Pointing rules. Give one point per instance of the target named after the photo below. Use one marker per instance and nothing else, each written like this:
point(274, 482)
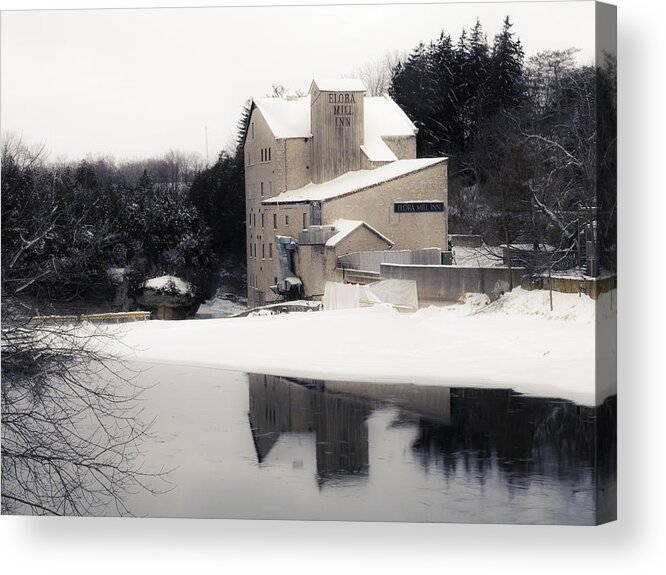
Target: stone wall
point(592, 287)
point(404, 147)
point(406, 230)
point(449, 283)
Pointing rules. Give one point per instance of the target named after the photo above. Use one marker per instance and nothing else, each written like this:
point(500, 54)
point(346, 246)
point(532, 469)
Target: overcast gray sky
point(136, 83)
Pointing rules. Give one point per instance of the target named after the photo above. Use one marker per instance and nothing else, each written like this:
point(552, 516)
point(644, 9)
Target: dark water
point(268, 447)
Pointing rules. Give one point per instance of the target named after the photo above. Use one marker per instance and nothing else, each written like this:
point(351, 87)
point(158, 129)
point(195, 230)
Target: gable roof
point(346, 227)
point(290, 118)
point(286, 117)
point(353, 182)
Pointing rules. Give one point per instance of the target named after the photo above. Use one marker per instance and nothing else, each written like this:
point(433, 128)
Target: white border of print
point(632, 544)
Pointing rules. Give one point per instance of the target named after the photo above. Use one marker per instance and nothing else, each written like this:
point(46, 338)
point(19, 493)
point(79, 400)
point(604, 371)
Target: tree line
point(531, 142)
point(65, 226)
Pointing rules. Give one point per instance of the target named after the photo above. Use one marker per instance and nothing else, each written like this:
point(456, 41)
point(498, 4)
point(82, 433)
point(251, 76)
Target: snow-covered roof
point(169, 284)
point(346, 227)
point(383, 118)
point(290, 118)
point(353, 182)
point(286, 117)
point(338, 85)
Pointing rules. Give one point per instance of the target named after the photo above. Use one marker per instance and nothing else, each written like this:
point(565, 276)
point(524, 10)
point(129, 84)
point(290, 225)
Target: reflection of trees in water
point(522, 437)
point(72, 425)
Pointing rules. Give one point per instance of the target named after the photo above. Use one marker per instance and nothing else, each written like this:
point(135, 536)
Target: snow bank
point(566, 306)
point(222, 305)
point(514, 343)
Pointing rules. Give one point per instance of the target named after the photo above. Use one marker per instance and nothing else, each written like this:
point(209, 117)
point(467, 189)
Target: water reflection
point(278, 406)
point(268, 447)
point(486, 439)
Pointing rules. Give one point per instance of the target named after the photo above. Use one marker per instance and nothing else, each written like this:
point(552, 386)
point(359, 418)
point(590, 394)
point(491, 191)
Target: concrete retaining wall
point(448, 283)
point(592, 287)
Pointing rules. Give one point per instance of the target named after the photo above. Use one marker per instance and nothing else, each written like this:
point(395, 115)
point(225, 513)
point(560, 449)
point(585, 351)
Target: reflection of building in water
point(336, 413)
point(432, 402)
point(278, 406)
point(275, 408)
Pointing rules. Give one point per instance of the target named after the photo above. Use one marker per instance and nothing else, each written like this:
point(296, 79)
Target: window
point(269, 154)
point(270, 251)
point(263, 251)
point(305, 223)
point(262, 189)
point(262, 220)
point(286, 220)
point(275, 221)
point(262, 154)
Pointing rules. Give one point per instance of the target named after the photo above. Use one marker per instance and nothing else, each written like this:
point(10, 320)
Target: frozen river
point(255, 446)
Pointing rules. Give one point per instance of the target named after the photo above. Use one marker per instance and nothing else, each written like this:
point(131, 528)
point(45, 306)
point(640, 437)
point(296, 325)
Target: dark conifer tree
point(505, 83)
point(414, 88)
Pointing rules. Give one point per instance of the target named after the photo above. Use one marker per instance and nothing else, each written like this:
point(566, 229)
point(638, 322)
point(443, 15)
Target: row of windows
point(252, 250)
point(265, 155)
point(253, 220)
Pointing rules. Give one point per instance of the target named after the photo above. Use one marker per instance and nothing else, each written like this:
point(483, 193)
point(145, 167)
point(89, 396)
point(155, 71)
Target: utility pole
point(206, 129)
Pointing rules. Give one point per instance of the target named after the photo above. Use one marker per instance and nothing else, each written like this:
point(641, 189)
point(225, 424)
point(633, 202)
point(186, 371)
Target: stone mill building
point(331, 174)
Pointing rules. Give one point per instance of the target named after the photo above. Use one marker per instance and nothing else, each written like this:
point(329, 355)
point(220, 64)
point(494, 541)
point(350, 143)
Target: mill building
point(331, 174)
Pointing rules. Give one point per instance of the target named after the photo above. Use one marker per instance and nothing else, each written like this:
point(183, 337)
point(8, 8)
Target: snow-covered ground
point(515, 342)
point(221, 305)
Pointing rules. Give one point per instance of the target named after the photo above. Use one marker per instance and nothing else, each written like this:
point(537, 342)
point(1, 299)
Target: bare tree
point(71, 425)
point(376, 76)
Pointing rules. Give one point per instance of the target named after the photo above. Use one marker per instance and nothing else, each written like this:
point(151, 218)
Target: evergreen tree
point(414, 88)
point(505, 82)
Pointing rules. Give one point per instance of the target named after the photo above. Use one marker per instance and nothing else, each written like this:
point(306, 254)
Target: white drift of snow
point(515, 342)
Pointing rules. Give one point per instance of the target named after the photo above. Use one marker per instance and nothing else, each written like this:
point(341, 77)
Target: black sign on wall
point(417, 207)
